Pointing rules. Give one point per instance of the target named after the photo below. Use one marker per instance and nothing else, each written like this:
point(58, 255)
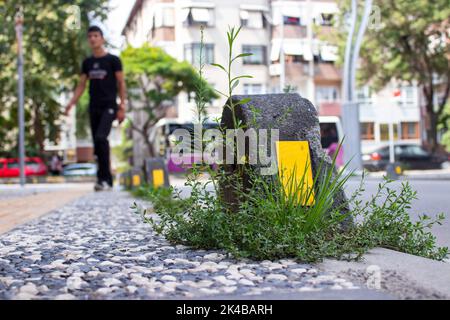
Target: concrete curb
point(430, 277)
point(347, 294)
point(443, 174)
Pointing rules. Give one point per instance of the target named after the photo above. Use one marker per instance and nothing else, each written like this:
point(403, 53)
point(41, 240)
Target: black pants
point(101, 123)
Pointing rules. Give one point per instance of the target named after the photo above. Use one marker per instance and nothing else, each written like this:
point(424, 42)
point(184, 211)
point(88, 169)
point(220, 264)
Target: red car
point(34, 166)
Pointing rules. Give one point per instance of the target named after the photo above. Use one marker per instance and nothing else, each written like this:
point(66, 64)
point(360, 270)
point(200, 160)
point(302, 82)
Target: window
point(199, 16)
point(364, 95)
point(253, 88)
point(258, 54)
point(407, 97)
point(415, 151)
point(326, 94)
point(410, 130)
point(367, 130)
point(291, 21)
point(384, 132)
point(326, 19)
point(164, 17)
point(252, 19)
point(192, 53)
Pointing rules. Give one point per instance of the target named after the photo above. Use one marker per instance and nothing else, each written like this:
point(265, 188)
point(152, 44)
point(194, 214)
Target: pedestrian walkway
point(19, 205)
point(96, 248)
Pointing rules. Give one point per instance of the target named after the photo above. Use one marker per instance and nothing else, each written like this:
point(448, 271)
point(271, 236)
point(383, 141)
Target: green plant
point(270, 223)
point(406, 41)
point(52, 63)
point(155, 78)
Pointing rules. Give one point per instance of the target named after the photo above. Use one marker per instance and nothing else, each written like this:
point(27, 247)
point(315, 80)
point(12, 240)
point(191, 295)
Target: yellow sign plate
point(293, 158)
point(136, 180)
point(158, 178)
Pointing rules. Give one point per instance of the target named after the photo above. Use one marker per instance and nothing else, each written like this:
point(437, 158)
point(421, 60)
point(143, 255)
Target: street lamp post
point(20, 91)
point(350, 106)
point(282, 57)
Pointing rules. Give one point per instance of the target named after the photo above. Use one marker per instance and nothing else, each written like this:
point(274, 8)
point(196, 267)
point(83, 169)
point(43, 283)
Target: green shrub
point(268, 226)
point(269, 223)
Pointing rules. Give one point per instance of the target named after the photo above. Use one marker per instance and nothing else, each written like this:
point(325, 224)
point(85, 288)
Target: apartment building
point(286, 39)
point(175, 26)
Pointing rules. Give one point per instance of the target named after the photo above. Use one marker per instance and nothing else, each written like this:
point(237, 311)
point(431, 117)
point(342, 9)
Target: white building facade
point(286, 39)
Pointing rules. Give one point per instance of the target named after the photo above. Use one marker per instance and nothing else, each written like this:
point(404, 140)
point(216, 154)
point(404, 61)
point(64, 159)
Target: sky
point(116, 21)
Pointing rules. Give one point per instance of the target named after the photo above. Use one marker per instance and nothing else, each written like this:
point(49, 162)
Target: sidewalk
point(19, 205)
point(96, 248)
point(439, 174)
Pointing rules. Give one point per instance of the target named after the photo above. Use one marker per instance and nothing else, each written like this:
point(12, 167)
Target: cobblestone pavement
point(96, 248)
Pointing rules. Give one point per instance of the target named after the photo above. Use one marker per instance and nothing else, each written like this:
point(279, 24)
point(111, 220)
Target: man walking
point(105, 75)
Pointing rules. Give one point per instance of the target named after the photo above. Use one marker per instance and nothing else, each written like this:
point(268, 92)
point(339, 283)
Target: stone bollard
point(156, 174)
point(296, 120)
point(131, 179)
point(136, 178)
point(394, 170)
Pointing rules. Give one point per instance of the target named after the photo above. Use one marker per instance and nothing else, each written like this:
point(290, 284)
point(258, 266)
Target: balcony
point(327, 73)
point(295, 32)
point(327, 108)
point(162, 34)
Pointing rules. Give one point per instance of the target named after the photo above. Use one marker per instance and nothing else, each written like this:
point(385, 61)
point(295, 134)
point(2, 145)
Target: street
point(433, 198)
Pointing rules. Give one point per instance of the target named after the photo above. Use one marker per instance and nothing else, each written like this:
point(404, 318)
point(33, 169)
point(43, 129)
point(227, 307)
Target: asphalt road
point(433, 198)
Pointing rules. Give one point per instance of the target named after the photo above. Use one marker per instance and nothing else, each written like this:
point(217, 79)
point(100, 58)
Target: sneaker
point(102, 186)
point(106, 186)
point(98, 186)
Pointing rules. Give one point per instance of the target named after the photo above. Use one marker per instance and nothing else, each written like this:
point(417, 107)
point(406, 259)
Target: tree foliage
point(410, 42)
point(53, 50)
point(154, 80)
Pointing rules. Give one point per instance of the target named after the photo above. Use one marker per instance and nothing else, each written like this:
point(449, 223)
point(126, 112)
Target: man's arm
point(77, 94)
point(122, 95)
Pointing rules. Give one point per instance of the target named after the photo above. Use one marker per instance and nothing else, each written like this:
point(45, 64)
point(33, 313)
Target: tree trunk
point(149, 145)
point(39, 135)
point(432, 131)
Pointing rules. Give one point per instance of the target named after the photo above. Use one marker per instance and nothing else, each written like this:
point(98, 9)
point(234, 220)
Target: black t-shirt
point(102, 78)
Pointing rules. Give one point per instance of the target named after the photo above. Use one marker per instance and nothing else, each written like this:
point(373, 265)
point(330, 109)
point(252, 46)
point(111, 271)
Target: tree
point(411, 44)
point(445, 126)
point(53, 51)
point(154, 79)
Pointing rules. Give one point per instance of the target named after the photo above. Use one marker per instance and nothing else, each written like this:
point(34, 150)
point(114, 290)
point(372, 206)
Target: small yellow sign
point(136, 180)
point(158, 178)
point(294, 168)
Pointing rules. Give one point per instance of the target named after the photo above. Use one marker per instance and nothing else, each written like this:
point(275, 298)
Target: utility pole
point(309, 35)
point(282, 59)
point(350, 106)
point(20, 92)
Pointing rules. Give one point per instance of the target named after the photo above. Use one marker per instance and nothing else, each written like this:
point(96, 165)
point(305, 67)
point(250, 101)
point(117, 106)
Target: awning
point(329, 53)
point(184, 13)
point(195, 4)
point(293, 48)
point(325, 7)
point(275, 50)
point(200, 14)
point(307, 52)
point(244, 15)
point(253, 7)
point(292, 11)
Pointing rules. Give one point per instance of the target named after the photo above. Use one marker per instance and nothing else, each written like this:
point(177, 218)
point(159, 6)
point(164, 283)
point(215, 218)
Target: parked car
point(80, 169)
point(34, 166)
point(410, 157)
